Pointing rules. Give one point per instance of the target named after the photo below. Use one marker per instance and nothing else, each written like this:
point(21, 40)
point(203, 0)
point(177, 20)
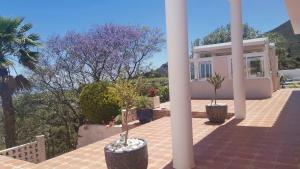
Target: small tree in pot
point(216, 113)
point(126, 153)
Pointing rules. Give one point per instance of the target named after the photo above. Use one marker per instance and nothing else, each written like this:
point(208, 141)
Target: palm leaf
point(34, 37)
point(16, 43)
point(22, 83)
point(11, 83)
point(25, 28)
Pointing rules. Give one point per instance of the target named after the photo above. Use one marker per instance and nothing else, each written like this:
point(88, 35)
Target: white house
point(260, 69)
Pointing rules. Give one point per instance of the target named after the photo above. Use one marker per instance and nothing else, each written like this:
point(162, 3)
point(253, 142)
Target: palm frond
point(28, 58)
point(22, 83)
point(16, 42)
point(34, 37)
point(4, 62)
point(11, 83)
point(26, 27)
point(16, 83)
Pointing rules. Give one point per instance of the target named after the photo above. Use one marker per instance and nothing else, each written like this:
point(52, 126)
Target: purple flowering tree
point(105, 52)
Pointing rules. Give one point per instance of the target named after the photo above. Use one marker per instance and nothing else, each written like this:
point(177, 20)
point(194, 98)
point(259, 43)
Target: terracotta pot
point(135, 159)
point(216, 113)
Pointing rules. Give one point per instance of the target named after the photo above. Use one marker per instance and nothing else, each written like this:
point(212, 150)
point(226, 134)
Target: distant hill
point(162, 71)
point(293, 41)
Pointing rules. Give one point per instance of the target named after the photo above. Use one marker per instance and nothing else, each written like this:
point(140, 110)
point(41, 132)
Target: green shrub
point(294, 85)
point(98, 103)
point(142, 102)
point(118, 119)
point(156, 83)
point(164, 94)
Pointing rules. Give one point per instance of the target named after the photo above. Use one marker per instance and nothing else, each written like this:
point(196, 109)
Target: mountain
point(293, 41)
point(162, 71)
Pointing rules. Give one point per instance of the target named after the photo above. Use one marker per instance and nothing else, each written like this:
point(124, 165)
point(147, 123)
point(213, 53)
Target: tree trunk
point(126, 126)
point(9, 119)
point(215, 96)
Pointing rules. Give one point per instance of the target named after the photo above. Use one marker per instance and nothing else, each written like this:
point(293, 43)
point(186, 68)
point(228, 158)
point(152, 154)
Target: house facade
point(260, 69)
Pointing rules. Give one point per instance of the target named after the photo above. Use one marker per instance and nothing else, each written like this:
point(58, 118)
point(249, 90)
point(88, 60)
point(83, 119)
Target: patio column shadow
point(246, 147)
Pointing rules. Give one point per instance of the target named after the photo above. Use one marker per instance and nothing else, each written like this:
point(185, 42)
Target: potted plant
point(144, 112)
point(216, 113)
point(126, 153)
point(153, 98)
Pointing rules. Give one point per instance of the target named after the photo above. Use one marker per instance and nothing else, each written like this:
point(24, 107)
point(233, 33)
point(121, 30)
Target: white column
point(237, 59)
point(196, 70)
point(179, 83)
point(196, 64)
point(266, 60)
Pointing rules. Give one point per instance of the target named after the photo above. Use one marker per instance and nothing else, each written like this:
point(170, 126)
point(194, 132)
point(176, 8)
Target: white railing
point(32, 152)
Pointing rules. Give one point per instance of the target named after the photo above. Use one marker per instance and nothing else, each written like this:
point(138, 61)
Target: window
point(231, 67)
point(192, 70)
point(205, 70)
point(255, 67)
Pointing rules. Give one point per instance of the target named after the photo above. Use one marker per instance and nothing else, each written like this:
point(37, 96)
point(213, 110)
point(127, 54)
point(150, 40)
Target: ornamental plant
point(99, 103)
point(216, 81)
point(152, 92)
point(142, 102)
point(126, 91)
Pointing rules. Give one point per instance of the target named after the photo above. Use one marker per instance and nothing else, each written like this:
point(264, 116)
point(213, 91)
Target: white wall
point(255, 89)
point(91, 133)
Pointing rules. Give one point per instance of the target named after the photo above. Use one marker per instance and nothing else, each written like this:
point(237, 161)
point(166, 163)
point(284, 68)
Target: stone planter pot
point(145, 115)
point(135, 159)
point(154, 102)
point(217, 113)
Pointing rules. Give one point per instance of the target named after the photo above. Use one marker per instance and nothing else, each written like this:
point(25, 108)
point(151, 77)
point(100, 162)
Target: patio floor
point(269, 138)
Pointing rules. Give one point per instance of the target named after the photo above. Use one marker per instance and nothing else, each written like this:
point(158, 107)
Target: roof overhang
point(293, 7)
point(220, 46)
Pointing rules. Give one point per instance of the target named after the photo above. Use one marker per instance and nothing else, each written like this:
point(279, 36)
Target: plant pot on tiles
point(126, 153)
point(144, 112)
point(216, 113)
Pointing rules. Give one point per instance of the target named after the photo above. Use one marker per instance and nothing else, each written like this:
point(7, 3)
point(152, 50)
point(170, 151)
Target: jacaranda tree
point(70, 62)
point(16, 47)
point(105, 51)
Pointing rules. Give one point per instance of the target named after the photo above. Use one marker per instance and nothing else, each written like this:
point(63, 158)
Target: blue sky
point(58, 16)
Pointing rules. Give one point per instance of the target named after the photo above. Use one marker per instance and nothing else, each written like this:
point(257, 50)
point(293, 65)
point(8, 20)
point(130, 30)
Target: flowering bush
point(152, 92)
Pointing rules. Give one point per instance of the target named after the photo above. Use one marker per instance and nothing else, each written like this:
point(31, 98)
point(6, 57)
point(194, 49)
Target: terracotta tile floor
point(269, 138)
